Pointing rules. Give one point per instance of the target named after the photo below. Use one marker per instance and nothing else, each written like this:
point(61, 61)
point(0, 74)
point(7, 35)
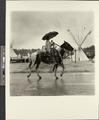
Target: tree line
point(89, 51)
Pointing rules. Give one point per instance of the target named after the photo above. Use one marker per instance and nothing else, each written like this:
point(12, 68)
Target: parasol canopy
point(49, 35)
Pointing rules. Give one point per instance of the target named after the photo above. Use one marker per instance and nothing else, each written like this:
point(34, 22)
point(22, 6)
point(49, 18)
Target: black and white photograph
point(52, 53)
point(51, 60)
point(2, 65)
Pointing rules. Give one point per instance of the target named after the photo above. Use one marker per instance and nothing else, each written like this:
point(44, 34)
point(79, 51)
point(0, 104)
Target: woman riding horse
point(58, 59)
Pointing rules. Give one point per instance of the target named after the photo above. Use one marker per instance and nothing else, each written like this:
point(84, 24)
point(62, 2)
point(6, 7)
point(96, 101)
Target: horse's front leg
point(62, 65)
point(29, 73)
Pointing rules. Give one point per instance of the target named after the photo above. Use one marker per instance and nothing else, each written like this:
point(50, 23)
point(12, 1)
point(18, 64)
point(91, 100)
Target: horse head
point(65, 48)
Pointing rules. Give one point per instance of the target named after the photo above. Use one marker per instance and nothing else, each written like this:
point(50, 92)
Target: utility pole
point(75, 55)
point(71, 56)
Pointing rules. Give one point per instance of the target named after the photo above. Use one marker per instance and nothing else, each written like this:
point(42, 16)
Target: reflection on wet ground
point(70, 84)
point(56, 88)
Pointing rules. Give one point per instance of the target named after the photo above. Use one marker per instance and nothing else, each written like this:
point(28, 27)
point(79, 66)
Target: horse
point(55, 57)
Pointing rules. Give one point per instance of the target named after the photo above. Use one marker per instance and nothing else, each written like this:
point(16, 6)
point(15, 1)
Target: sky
point(28, 28)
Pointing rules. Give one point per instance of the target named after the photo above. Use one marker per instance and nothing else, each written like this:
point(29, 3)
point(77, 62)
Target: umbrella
point(49, 35)
point(67, 46)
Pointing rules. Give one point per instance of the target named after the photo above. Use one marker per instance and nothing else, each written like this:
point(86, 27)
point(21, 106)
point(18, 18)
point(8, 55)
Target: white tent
point(79, 55)
point(12, 54)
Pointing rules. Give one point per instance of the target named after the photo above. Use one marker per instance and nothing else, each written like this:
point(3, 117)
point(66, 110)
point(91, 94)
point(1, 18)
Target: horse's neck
point(62, 51)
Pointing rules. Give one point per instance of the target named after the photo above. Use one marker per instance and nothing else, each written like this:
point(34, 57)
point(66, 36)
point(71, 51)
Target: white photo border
point(50, 107)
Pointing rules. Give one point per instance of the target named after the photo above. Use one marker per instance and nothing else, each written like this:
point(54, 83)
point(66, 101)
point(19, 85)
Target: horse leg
point(62, 65)
point(55, 70)
point(30, 64)
point(29, 73)
point(54, 67)
point(37, 71)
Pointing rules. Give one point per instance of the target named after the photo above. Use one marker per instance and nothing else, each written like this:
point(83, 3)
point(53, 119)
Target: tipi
point(12, 53)
point(79, 54)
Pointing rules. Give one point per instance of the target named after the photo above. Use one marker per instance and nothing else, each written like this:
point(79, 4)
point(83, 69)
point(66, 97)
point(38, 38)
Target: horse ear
point(64, 41)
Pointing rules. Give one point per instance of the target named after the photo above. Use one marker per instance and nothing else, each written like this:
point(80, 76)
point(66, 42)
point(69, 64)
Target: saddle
point(52, 56)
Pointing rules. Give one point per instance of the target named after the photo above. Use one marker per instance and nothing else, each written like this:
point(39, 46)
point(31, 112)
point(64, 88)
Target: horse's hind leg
point(55, 70)
point(30, 64)
point(37, 71)
point(29, 74)
point(38, 75)
point(62, 65)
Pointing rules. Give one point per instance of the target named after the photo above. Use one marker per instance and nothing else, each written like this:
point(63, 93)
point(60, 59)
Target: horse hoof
point(27, 76)
point(39, 78)
point(56, 78)
point(61, 75)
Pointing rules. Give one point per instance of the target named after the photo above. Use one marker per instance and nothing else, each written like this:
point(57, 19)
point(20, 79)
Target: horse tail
point(32, 61)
